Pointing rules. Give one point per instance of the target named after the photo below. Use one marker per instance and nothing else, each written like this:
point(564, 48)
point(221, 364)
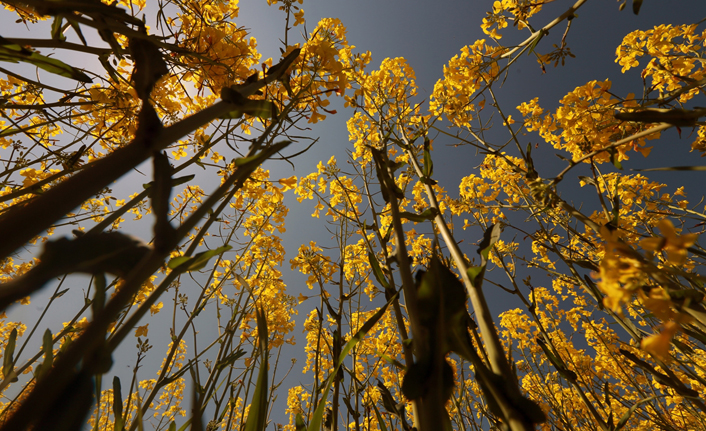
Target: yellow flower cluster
point(584, 123)
point(519, 11)
point(466, 73)
point(675, 52)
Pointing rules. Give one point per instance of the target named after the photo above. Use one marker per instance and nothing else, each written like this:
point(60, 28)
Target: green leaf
point(428, 181)
point(536, 40)
point(183, 427)
point(636, 4)
point(616, 205)
point(381, 422)
point(428, 169)
point(427, 214)
point(77, 29)
point(188, 263)
point(624, 420)
point(280, 68)
point(255, 108)
point(387, 183)
point(557, 362)
point(694, 296)
point(390, 360)
point(490, 237)
point(674, 168)
point(377, 271)
point(7, 361)
point(48, 348)
point(172, 426)
point(614, 159)
point(473, 272)
point(258, 409)
point(240, 161)
point(243, 105)
point(228, 360)
point(387, 400)
point(395, 166)
point(388, 234)
point(299, 423)
point(99, 297)
point(315, 423)
point(682, 346)
point(259, 157)
point(14, 53)
point(111, 252)
point(59, 294)
point(118, 405)
point(488, 394)
point(584, 264)
point(9, 131)
point(175, 181)
point(56, 33)
point(588, 180)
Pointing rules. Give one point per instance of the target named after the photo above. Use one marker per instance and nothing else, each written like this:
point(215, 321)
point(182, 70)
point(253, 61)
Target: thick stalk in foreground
point(498, 362)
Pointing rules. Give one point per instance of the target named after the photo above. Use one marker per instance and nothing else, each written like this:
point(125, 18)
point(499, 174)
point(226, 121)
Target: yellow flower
point(141, 330)
point(658, 344)
point(299, 16)
point(154, 309)
point(675, 245)
point(620, 274)
point(288, 183)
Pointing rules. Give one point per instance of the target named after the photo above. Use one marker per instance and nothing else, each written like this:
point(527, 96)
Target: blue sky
point(428, 34)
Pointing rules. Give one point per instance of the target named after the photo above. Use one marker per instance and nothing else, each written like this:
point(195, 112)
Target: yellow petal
point(141, 330)
point(652, 244)
point(658, 344)
point(288, 183)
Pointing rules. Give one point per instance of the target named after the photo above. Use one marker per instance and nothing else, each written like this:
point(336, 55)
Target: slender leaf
point(536, 40)
point(9, 131)
point(228, 360)
point(428, 168)
point(258, 409)
point(674, 168)
point(624, 419)
point(14, 53)
point(381, 422)
point(280, 68)
point(636, 4)
point(175, 182)
point(188, 263)
point(490, 237)
point(56, 33)
point(473, 272)
point(48, 348)
point(7, 360)
point(118, 405)
point(59, 294)
point(377, 271)
point(299, 423)
point(427, 214)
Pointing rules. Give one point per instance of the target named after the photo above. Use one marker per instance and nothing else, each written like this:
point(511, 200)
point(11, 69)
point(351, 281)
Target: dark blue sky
point(428, 34)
